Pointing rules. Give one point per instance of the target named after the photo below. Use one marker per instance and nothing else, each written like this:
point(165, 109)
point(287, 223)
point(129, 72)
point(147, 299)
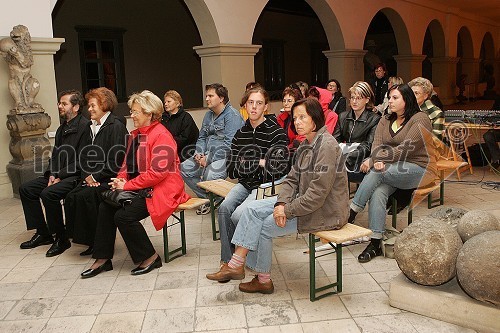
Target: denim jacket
point(217, 132)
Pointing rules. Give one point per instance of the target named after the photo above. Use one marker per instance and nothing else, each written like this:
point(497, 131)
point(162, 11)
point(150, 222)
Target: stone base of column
point(21, 173)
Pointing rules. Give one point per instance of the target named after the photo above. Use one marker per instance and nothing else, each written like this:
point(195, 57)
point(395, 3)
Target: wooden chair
point(192, 203)
point(335, 238)
point(217, 187)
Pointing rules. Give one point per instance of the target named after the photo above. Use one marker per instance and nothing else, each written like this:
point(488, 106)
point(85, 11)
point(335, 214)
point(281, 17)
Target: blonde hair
point(173, 95)
point(425, 84)
point(149, 103)
point(395, 80)
point(363, 89)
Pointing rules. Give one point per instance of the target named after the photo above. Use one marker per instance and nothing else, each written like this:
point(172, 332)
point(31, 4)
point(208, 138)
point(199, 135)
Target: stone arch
point(400, 30)
point(438, 39)
point(204, 21)
point(329, 22)
point(467, 45)
point(489, 46)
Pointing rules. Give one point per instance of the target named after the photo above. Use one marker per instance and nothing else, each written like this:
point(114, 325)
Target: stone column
point(444, 76)
point(346, 66)
point(409, 66)
point(27, 134)
point(229, 64)
point(470, 66)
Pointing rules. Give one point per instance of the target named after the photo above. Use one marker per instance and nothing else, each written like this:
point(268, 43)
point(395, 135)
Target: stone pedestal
point(346, 66)
point(218, 63)
point(447, 302)
point(28, 146)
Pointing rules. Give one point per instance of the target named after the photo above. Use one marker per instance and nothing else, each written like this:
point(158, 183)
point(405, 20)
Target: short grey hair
point(425, 84)
point(149, 103)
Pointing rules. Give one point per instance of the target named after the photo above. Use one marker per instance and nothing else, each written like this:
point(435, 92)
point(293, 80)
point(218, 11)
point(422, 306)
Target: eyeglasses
point(356, 98)
point(135, 113)
point(256, 103)
point(379, 70)
point(288, 101)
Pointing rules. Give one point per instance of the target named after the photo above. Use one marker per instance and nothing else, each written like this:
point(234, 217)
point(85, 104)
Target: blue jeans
point(378, 186)
point(229, 213)
point(192, 174)
point(256, 231)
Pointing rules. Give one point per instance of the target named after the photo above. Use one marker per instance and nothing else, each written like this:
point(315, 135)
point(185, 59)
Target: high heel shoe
point(107, 266)
point(143, 270)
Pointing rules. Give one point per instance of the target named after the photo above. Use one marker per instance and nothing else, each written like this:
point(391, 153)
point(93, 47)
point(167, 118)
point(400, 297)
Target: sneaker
point(203, 209)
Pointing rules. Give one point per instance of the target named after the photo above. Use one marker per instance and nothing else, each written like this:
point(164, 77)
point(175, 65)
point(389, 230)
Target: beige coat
point(315, 190)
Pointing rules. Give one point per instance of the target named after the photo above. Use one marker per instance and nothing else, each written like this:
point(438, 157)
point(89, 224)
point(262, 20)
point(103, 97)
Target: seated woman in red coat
point(151, 163)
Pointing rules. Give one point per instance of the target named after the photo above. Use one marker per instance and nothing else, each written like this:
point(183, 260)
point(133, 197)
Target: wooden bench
point(178, 216)
point(335, 238)
point(217, 187)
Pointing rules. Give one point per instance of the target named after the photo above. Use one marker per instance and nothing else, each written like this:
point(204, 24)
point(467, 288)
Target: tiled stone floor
point(39, 294)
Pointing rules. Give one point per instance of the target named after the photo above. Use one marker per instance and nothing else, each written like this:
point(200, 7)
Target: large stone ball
point(478, 267)
point(475, 222)
point(427, 250)
point(450, 215)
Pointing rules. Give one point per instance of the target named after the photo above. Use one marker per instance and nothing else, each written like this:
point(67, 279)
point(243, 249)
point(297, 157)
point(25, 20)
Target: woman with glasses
point(402, 154)
point(290, 95)
point(100, 160)
point(151, 166)
point(338, 103)
point(356, 128)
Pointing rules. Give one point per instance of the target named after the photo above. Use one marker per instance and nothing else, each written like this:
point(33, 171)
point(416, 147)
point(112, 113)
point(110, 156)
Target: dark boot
point(374, 249)
point(352, 216)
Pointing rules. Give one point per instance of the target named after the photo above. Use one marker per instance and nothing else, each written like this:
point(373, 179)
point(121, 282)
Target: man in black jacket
point(58, 180)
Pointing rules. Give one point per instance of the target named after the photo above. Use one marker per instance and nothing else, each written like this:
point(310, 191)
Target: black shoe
point(371, 251)
point(107, 266)
point(88, 251)
point(143, 270)
point(37, 240)
point(60, 245)
point(352, 216)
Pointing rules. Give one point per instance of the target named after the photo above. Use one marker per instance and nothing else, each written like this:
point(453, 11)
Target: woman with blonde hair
point(151, 166)
point(383, 108)
point(180, 124)
point(356, 128)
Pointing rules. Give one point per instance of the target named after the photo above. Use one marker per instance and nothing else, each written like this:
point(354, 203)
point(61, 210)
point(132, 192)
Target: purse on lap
point(121, 198)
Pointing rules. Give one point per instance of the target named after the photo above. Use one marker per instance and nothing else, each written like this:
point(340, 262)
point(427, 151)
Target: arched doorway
point(486, 66)
point(293, 41)
point(433, 46)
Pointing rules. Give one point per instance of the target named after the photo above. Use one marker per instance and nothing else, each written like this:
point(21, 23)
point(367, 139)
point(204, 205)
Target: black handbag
point(120, 198)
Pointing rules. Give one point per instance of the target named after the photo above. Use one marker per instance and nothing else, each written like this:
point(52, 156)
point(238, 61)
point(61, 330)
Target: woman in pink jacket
point(151, 167)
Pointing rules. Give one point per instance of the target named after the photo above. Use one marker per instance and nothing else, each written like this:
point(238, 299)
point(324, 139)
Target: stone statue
point(23, 87)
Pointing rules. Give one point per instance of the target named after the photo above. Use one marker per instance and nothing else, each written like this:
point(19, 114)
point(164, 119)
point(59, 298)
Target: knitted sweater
point(436, 116)
point(412, 143)
point(249, 145)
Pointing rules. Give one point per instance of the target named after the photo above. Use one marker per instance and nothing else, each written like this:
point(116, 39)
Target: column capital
point(444, 60)
point(470, 60)
point(215, 50)
point(350, 53)
point(46, 45)
point(409, 58)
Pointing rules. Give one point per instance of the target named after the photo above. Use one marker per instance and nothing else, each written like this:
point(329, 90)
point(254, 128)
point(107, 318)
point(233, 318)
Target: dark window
point(319, 65)
point(274, 67)
point(101, 59)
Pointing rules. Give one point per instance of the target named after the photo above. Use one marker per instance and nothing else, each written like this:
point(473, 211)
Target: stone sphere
point(450, 215)
point(475, 222)
point(6, 44)
point(478, 267)
point(427, 250)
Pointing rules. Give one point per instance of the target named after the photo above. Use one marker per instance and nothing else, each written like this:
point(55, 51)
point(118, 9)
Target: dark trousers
point(80, 208)
point(127, 220)
point(32, 191)
point(491, 137)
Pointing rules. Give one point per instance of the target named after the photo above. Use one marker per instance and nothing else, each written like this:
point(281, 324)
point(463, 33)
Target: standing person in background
point(380, 83)
point(179, 123)
point(214, 142)
point(243, 110)
point(105, 138)
point(61, 177)
point(338, 103)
